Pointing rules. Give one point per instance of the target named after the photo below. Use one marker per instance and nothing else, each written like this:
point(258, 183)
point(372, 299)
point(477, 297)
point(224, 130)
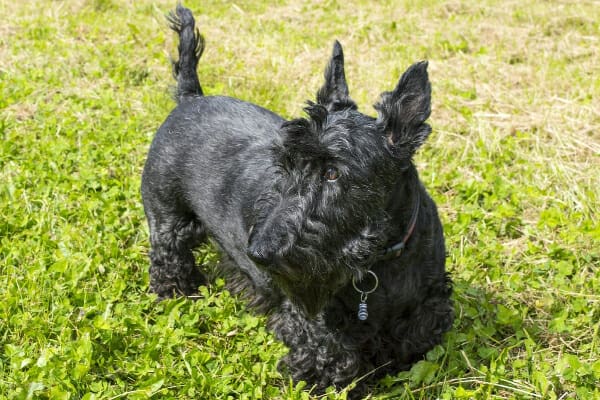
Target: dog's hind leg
point(173, 268)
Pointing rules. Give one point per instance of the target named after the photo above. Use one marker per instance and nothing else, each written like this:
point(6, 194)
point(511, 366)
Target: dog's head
point(325, 218)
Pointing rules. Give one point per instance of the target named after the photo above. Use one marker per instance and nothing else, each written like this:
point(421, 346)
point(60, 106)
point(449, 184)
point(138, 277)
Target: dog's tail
point(191, 46)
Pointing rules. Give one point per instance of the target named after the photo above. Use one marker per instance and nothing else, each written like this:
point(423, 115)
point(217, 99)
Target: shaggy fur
point(300, 208)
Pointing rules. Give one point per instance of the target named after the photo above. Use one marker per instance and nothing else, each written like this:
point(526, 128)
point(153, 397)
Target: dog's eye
point(331, 174)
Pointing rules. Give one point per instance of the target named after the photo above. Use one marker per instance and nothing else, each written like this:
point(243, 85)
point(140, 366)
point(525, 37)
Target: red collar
point(396, 249)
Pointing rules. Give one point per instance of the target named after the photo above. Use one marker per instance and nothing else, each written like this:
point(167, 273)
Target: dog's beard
point(312, 274)
point(309, 294)
point(318, 264)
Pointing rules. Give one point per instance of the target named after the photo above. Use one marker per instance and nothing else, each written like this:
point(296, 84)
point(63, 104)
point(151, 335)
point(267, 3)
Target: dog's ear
point(334, 93)
point(403, 111)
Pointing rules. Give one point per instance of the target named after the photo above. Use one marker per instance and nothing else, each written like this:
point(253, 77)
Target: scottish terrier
point(321, 222)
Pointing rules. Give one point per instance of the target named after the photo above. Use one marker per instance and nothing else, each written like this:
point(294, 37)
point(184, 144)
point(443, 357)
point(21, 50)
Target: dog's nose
point(259, 256)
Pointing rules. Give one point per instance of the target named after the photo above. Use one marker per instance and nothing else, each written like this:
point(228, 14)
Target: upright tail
point(191, 46)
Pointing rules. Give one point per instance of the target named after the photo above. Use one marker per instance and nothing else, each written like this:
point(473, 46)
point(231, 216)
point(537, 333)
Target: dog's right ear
point(334, 93)
point(403, 111)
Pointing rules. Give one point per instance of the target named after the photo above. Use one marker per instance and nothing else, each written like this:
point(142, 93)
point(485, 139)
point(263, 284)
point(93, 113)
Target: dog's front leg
point(317, 355)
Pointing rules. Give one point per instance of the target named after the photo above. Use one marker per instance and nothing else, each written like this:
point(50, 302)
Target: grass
point(514, 164)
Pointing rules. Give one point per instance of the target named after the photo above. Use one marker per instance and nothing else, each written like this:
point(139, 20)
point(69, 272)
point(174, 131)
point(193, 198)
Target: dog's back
point(212, 135)
point(193, 166)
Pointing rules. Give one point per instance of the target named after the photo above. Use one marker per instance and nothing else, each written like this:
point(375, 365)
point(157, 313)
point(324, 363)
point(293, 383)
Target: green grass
point(513, 162)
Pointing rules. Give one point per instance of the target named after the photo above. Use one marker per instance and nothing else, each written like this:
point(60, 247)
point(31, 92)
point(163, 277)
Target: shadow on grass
point(487, 351)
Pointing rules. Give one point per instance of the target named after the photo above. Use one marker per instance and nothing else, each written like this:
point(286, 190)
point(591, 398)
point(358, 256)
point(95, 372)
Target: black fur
point(298, 209)
point(191, 47)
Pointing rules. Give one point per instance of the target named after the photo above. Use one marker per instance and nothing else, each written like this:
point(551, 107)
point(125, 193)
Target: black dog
point(321, 222)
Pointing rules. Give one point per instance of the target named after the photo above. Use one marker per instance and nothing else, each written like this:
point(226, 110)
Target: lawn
point(513, 163)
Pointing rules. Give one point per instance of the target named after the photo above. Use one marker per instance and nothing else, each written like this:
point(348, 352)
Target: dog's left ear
point(403, 111)
point(334, 93)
